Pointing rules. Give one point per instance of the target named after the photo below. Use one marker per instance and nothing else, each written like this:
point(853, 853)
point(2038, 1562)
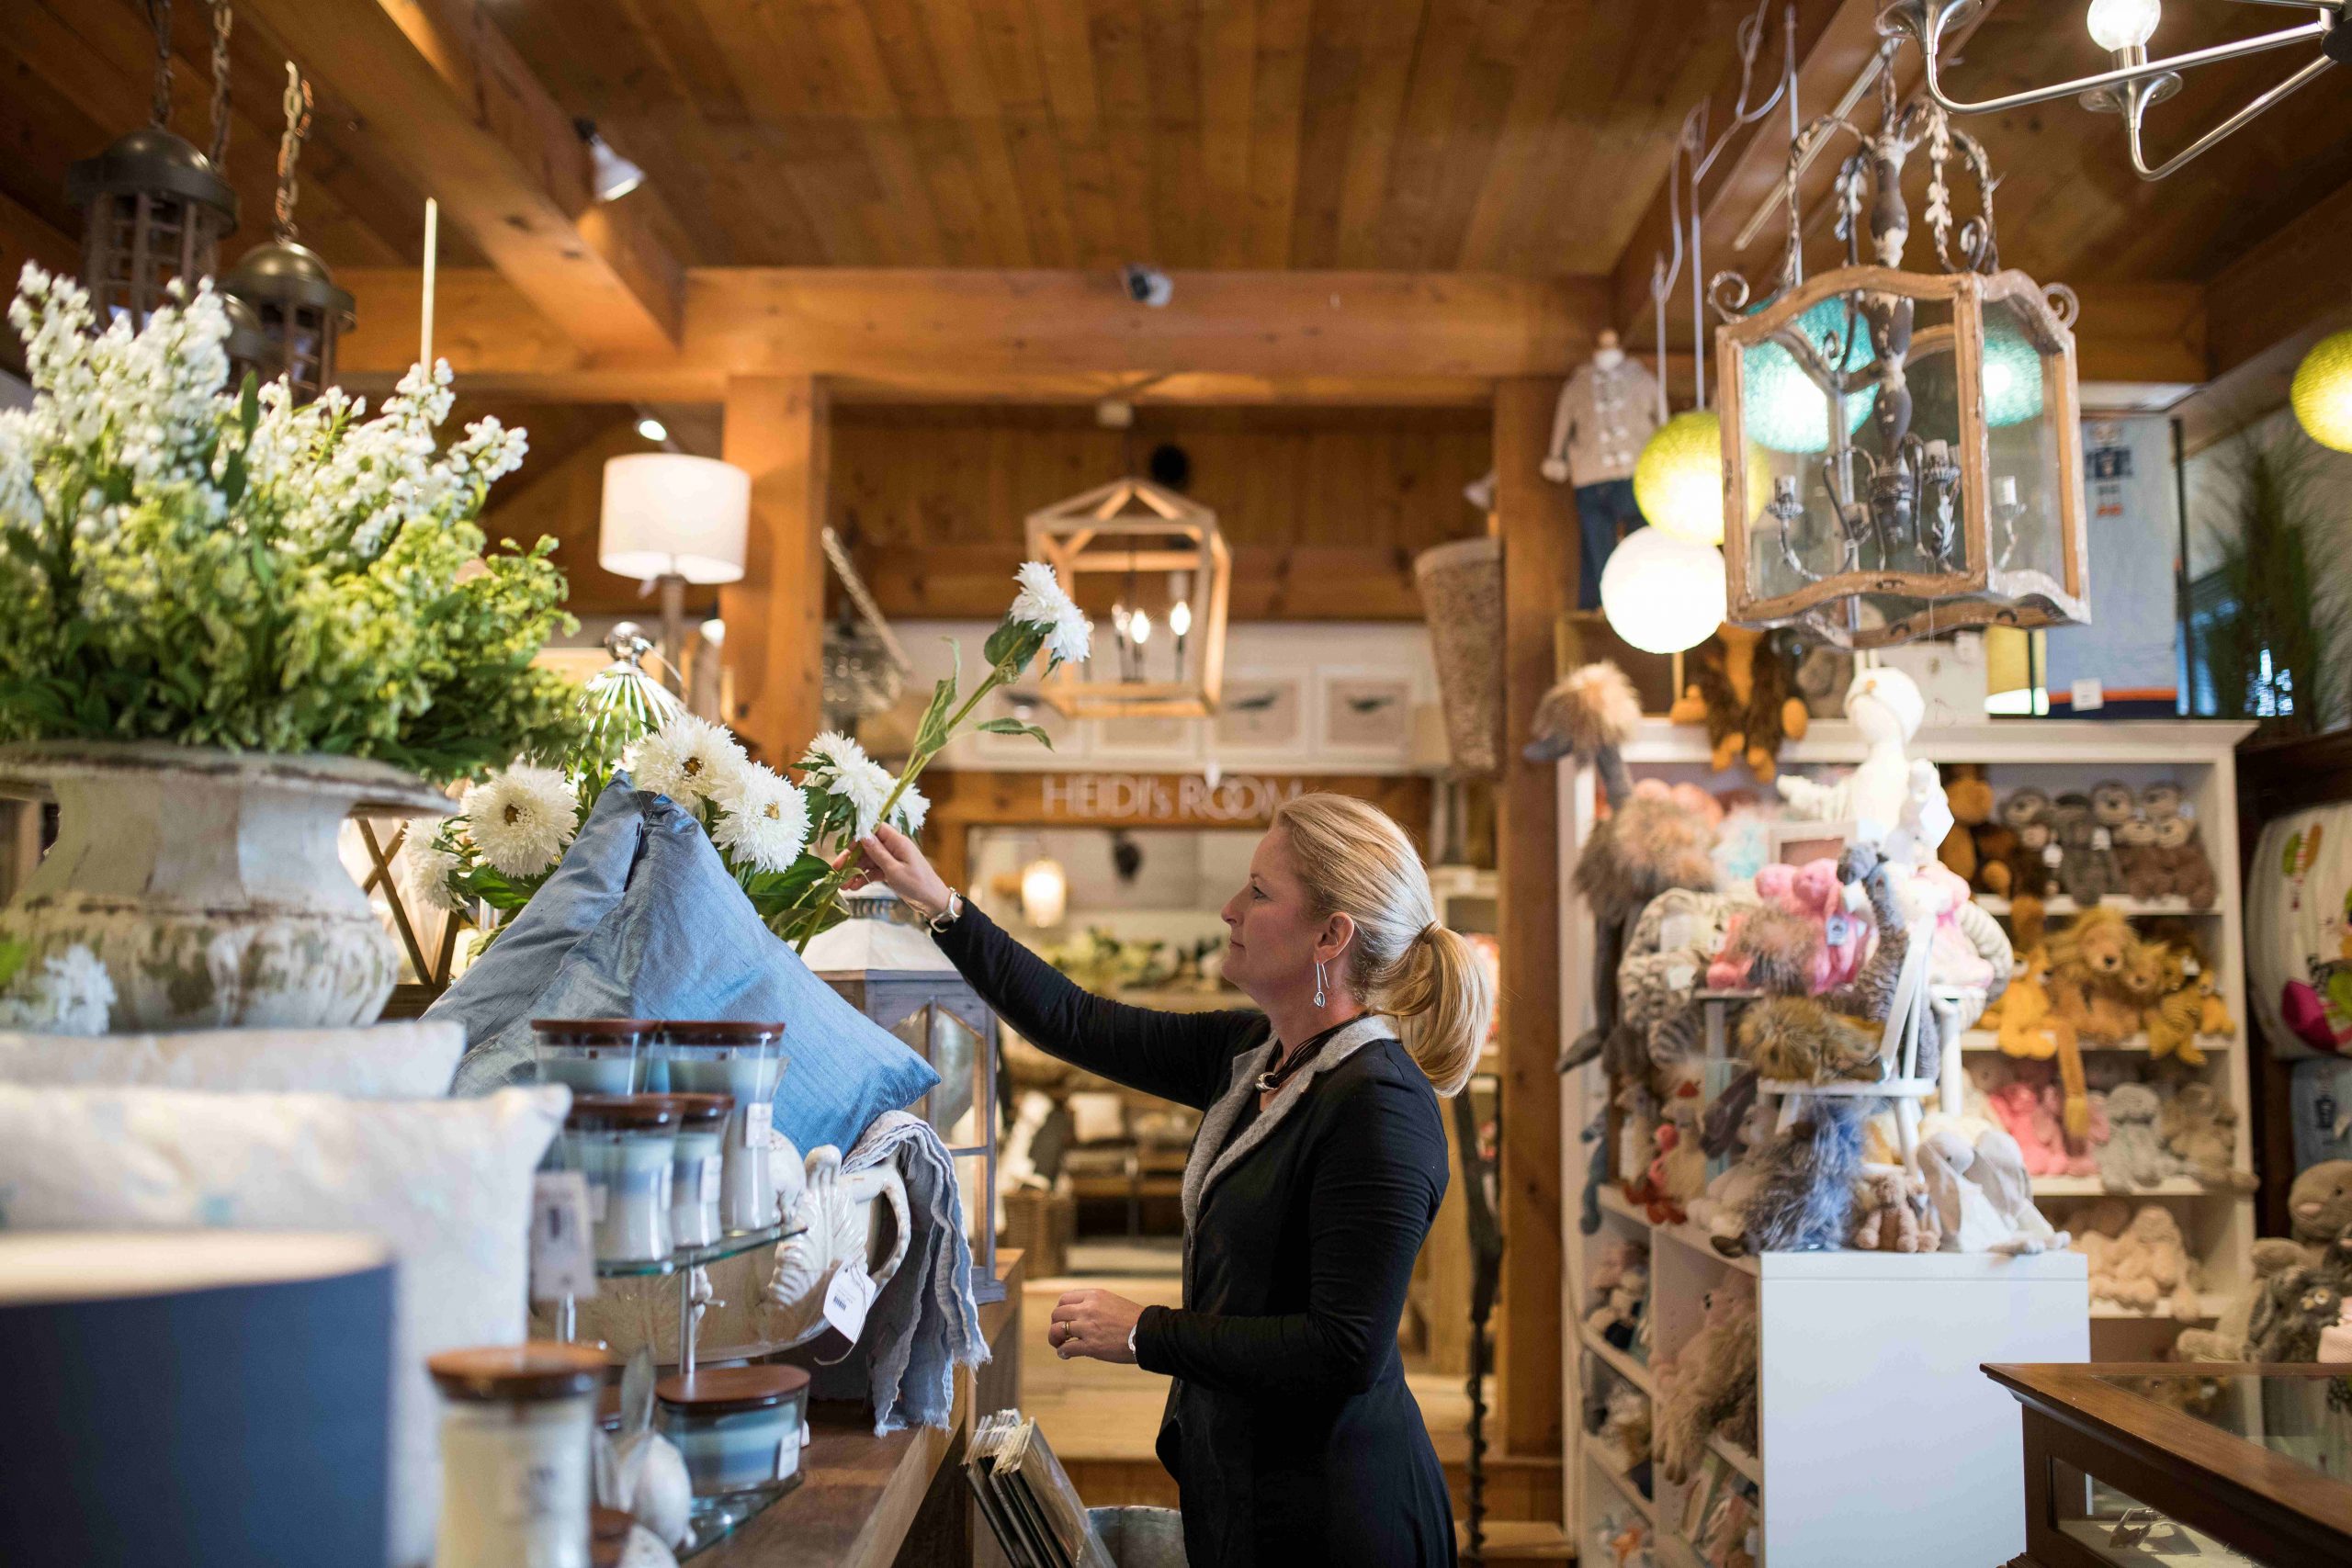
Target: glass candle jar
point(698, 1168)
point(740, 1429)
point(623, 1144)
point(745, 1062)
point(592, 1055)
point(515, 1454)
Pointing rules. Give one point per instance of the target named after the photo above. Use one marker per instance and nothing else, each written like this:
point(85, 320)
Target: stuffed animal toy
point(1709, 1377)
point(2172, 1019)
point(1894, 1217)
point(2304, 1306)
point(2134, 1154)
point(2137, 858)
point(1797, 1040)
point(1804, 1200)
point(1591, 711)
point(2094, 974)
point(2022, 1029)
point(1894, 798)
point(1983, 1196)
point(2319, 1207)
point(1824, 672)
point(1978, 847)
point(1769, 950)
point(1624, 1430)
point(1742, 687)
point(2026, 1117)
point(1723, 1210)
point(2199, 1129)
point(1619, 1293)
point(2083, 1160)
point(1872, 995)
point(2188, 870)
point(1645, 845)
point(1664, 958)
point(2086, 868)
point(2112, 805)
point(2025, 871)
point(1729, 1539)
point(2151, 1257)
point(2096, 1226)
point(1679, 1173)
point(1811, 892)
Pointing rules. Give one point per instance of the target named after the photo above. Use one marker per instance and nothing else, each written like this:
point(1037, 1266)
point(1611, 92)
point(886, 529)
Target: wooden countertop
point(861, 1493)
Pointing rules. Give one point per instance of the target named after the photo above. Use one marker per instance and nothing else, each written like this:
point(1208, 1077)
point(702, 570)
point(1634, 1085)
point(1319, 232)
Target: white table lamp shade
point(667, 512)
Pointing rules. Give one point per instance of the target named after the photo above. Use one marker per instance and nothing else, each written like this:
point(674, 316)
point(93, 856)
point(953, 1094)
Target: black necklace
point(1288, 1068)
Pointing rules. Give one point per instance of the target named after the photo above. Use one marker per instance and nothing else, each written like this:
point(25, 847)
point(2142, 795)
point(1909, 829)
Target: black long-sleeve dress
point(1289, 1430)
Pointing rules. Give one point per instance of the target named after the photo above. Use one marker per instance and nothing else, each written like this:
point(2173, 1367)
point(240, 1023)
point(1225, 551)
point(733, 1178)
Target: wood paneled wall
point(1325, 508)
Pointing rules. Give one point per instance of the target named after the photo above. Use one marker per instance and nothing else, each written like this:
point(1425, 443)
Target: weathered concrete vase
point(209, 882)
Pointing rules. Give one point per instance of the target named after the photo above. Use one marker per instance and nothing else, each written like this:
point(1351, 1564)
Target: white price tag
point(707, 1178)
point(1674, 932)
point(563, 1253)
point(2089, 693)
point(847, 1296)
point(758, 1118)
point(1679, 976)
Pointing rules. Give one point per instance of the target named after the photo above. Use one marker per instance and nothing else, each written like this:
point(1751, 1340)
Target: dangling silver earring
point(1318, 983)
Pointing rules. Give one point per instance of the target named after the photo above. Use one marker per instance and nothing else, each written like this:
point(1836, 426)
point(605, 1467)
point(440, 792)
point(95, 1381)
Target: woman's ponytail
point(1355, 861)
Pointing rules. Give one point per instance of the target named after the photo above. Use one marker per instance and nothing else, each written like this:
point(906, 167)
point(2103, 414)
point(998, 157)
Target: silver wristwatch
point(948, 916)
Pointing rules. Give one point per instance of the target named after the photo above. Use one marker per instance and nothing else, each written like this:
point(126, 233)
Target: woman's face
point(1275, 937)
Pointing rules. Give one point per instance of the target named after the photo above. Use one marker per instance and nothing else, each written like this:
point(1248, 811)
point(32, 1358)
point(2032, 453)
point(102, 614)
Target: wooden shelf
point(2138, 909)
point(1740, 1459)
point(1697, 1240)
point(1625, 1366)
point(1599, 1461)
point(1990, 1041)
point(2097, 1187)
point(2210, 1305)
point(1613, 1201)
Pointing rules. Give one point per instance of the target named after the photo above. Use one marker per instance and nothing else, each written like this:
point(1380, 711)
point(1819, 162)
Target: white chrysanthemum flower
point(1070, 636)
point(429, 868)
point(522, 819)
point(866, 784)
point(832, 752)
point(690, 760)
point(764, 820)
point(71, 993)
point(910, 812)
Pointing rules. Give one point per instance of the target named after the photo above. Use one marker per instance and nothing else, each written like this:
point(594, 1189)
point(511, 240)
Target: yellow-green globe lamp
point(1678, 478)
point(2323, 392)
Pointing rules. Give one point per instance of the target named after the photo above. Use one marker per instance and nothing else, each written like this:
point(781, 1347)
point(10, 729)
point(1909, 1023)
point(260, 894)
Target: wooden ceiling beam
point(457, 108)
point(953, 335)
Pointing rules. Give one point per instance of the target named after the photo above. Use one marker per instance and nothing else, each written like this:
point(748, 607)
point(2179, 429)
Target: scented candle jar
point(740, 1429)
point(743, 1061)
point(698, 1168)
point(515, 1454)
point(623, 1144)
point(592, 1055)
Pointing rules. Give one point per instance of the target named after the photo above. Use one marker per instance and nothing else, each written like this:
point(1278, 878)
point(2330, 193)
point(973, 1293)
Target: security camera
point(1147, 285)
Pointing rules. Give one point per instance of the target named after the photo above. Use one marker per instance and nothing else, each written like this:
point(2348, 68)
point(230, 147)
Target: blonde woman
point(1318, 1168)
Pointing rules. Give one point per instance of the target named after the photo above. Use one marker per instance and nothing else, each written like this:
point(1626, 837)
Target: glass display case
point(2162, 1463)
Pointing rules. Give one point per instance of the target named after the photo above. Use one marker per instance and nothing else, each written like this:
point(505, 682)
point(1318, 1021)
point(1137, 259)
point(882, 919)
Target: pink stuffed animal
point(1846, 940)
point(2022, 1114)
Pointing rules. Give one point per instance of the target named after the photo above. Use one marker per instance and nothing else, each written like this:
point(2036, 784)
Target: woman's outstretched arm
point(1186, 1057)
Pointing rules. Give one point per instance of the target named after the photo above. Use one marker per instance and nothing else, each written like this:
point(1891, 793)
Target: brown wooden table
point(894, 1502)
point(2118, 1424)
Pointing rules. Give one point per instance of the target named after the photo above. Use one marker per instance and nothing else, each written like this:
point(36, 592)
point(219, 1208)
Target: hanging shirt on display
point(1606, 412)
point(2127, 661)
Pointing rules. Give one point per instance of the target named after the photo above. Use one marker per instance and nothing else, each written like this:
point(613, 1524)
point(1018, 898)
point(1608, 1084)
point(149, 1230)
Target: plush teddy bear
point(1708, 1379)
point(2086, 871)
point(2172, 1019)
point(1979, 845)
point(2188, 870)
point(2153, 1260)
point(2199, 1129)
point(2018, 1107)
point(1741, 685)
point(1894, 1215)
point(2137, 858)
point(2097, 1227)
point(2026, 871)
point(2319, 1213)
point(2102, 978)
point(2134, 1154)
point(2305, 1306)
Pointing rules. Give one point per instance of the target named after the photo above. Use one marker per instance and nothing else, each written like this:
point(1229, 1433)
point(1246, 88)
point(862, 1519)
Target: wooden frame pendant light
point(1143, 532)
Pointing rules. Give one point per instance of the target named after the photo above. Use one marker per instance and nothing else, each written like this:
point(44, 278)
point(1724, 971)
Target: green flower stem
point(822, 896)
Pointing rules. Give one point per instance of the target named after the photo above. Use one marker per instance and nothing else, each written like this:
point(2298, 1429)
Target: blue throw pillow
point(684, 942)
point(494, 999)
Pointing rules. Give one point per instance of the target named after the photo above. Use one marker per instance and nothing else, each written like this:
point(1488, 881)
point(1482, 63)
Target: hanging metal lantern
point(251, 351)
point(285, 282)
point(1902, 451)
point(1169, 643)
point(885, 964)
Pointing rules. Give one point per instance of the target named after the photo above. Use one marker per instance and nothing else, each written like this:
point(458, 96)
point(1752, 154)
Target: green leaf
point(249, 404)
point(1014, 726)
point(13, 954)
point(931, 733)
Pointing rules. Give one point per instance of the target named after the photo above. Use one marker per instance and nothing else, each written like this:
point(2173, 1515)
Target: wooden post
point(1537, 521)
point(779, 428)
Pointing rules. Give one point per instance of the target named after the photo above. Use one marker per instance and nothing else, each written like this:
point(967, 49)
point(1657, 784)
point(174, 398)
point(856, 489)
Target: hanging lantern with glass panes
point(1902, 451)
point(884, 963)
point(288, 287)
point(1166, 650)
point(154, 210)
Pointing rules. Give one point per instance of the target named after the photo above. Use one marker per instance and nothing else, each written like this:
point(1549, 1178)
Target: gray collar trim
point(1206, 1163)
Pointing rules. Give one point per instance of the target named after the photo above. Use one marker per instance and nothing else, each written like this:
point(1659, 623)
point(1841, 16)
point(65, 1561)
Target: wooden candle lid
point(723, 1391)
point(526, 1374)
point(719, 1032)
point(701, 1110)
point(608, 1536)
point(624, 1113)
point(591, 1031)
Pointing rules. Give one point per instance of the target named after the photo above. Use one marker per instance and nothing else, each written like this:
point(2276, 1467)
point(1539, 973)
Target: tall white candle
point(431, 248)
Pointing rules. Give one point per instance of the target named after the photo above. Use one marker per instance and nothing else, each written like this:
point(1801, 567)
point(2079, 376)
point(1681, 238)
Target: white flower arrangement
point(68, 993)
point(223, 567)
point(510, 831)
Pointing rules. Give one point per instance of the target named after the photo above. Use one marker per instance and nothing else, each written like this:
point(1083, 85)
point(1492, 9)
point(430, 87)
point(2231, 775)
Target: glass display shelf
point(2155, 1463)
point(732, 1244)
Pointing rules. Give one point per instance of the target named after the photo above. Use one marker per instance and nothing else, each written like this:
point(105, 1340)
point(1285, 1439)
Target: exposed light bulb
point(653, 429)
point(2118, 24)
point(1139, 628)
point(1180, 617)
point(1044, 892)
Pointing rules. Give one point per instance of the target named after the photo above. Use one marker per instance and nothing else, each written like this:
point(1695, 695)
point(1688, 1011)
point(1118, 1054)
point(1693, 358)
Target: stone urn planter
point(209, 882)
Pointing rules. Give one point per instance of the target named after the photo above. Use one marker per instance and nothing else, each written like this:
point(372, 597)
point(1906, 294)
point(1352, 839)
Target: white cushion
point(410, 1060)
point(445, 1184)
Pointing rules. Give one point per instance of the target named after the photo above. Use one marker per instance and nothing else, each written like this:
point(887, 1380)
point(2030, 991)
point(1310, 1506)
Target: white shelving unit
point(1850, 1337)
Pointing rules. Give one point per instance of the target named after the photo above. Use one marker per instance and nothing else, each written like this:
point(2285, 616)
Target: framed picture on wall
point(1146, 739)
point(1366, 714)
point(1260, 713)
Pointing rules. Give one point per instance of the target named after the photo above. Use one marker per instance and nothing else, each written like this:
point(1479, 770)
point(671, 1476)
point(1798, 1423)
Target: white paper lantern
point(1661, 594)
point(667, 513)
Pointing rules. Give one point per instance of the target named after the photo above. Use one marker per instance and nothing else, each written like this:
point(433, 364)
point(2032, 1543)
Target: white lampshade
point(1661, 594)
point(666, 513)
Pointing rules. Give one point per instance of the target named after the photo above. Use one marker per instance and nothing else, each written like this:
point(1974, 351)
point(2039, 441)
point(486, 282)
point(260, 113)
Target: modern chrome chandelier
point(2122, 28)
